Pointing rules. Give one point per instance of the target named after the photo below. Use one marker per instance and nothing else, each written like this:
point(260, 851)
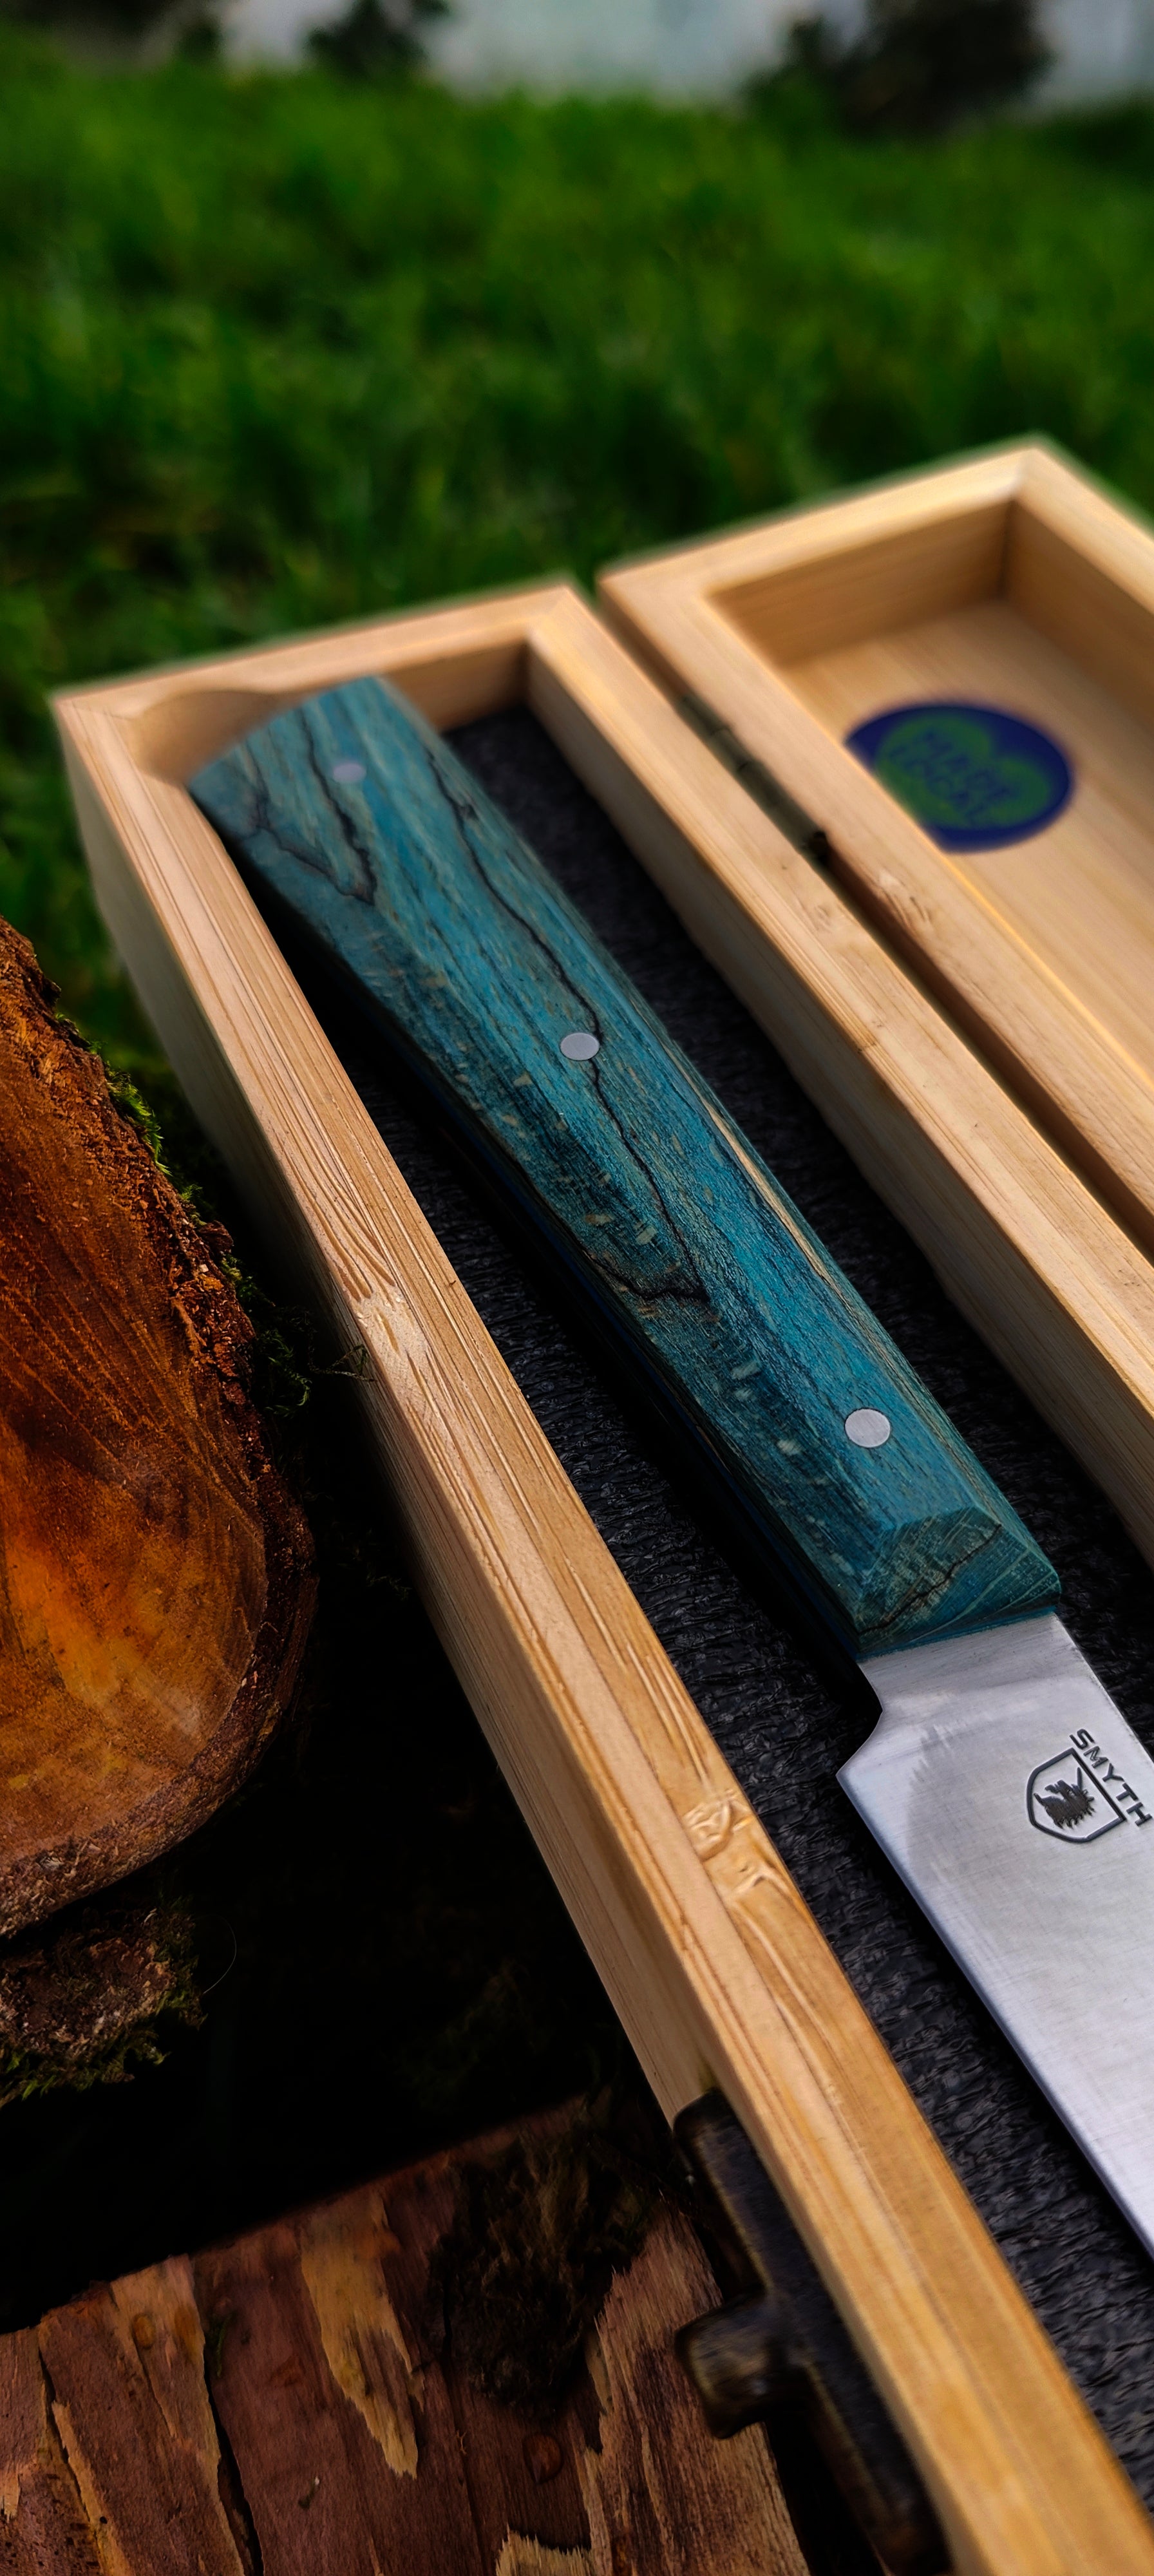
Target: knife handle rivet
point(868, 1429)
point(580, 1045)
point(348, 773)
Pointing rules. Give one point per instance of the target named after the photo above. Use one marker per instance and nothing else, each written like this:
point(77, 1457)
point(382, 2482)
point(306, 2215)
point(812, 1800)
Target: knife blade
point(1002, 1783)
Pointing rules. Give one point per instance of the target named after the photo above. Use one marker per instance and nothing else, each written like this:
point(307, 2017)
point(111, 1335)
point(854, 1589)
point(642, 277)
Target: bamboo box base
point(710, 1957)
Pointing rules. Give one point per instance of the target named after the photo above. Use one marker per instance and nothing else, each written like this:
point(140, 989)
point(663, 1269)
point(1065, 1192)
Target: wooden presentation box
point(713, 1962)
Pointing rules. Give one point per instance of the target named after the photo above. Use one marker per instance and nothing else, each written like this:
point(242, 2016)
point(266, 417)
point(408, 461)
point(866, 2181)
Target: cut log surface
point(281, 2405)
point(155, 1581)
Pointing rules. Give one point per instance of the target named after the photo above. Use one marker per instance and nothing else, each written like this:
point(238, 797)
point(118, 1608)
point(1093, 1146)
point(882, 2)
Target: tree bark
point(155, 1573)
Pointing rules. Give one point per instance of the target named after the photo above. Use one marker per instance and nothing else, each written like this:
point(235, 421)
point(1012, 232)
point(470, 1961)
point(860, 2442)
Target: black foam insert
point(782, 1725)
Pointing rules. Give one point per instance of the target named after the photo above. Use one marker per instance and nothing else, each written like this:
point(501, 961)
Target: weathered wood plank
point(44, 2530)
point(520, 2480)
point(328, 2411)
point(353, 2445)
point(126, 2367)
point(359, 2448)
point(656, 2494)
point(470, 959)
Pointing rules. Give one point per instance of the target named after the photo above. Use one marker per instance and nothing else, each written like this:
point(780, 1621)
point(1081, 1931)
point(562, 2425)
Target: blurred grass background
point(278, 350)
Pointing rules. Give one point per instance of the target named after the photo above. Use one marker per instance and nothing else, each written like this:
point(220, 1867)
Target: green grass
point(278, 351)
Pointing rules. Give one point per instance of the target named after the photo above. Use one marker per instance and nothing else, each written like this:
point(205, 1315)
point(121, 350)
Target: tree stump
point(155, 1573)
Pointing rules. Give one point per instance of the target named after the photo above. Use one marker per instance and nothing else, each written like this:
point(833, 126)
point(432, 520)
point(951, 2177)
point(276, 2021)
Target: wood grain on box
point(1010, 580)
point(712, 1959)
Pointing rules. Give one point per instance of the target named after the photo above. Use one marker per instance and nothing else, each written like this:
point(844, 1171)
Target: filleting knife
point(1000, 1779)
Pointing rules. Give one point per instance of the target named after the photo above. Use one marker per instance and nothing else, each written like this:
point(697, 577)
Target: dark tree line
point(917, 66)
point(372, 39)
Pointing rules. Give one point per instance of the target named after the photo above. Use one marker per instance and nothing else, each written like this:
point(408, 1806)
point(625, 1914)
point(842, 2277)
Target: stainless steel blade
point(1019, 1808)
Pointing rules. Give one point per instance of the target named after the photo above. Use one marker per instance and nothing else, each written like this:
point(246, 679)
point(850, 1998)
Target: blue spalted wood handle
point(363, 823)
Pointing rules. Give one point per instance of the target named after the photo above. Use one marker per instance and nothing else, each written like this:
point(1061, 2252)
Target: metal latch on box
point(780, 2342)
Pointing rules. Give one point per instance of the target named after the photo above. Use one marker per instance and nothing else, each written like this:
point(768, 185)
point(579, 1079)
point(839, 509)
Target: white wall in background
point(686, 48)
point(674, 47)
point(1103, 47)
point(269, 31)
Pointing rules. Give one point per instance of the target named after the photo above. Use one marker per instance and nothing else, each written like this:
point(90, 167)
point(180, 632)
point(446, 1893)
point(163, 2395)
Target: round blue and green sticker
point(974, 777)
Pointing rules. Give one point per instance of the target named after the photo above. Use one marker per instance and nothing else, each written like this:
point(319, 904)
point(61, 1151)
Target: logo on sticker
point(974, 777)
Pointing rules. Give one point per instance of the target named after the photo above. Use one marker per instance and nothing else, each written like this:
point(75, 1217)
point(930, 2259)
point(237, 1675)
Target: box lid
point(951, 677)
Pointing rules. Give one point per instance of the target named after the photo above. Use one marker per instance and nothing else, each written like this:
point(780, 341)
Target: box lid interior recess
point(953, 676)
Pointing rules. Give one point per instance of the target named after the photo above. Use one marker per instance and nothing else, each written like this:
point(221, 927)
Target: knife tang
point(361, 822)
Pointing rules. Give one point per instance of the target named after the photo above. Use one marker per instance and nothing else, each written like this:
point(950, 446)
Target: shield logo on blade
point(1064, 1799)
